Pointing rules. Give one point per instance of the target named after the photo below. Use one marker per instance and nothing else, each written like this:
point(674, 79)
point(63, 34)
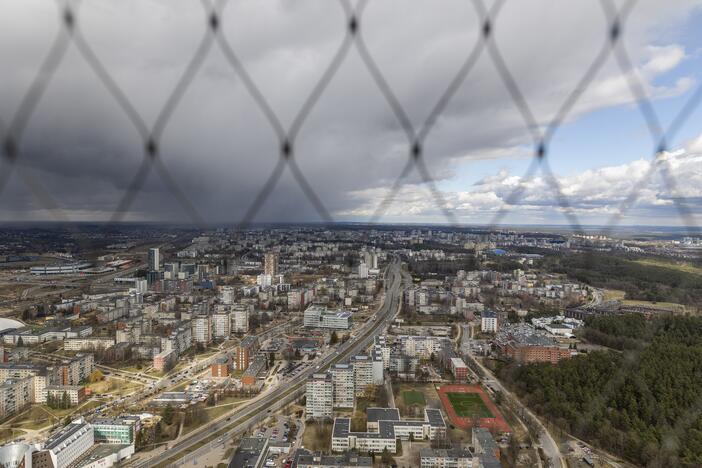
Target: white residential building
point(221, 325)
point(227, 295)
point(202, 329)
point(240, 319)
point(362, 373)
point(320, 396)
point(343, 383)
point(488, 321)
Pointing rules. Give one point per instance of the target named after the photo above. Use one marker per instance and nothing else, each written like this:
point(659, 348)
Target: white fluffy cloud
point(593, 195)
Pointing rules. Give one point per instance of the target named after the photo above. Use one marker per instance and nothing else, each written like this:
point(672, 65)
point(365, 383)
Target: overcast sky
point(220, 148)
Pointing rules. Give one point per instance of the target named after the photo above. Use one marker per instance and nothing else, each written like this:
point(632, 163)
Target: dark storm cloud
point(219, 148)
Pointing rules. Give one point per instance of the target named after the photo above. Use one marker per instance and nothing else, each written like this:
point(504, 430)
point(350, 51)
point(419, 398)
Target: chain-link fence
point(486, 47)
point(70, 34)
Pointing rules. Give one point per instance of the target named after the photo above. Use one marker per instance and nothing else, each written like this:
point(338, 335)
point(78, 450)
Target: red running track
point(495, 424)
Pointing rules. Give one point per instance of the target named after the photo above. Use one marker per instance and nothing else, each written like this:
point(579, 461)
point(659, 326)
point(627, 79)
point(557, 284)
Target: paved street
point(273, 399)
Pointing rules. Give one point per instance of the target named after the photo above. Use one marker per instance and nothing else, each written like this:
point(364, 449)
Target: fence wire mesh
point(541, 130)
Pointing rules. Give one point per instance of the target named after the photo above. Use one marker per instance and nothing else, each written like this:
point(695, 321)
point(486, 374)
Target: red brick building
point(220, 368)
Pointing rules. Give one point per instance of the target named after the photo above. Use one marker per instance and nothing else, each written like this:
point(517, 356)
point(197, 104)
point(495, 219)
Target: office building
point(317, 316)
point(154, 259)
point(257, 368)
point(363, 270)
point(115, 430)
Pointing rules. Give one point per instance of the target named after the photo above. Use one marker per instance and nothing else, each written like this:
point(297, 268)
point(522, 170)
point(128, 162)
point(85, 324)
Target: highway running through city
point(242, 419)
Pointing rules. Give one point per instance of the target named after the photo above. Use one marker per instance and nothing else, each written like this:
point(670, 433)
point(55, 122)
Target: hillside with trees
point(644, 405)
point(647, 282)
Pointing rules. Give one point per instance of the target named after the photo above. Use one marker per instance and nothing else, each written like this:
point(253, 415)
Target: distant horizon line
point(229, 224)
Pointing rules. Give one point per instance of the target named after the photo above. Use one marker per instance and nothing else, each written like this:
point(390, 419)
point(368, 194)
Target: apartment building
point(320, 396)
point(201, 326)
point(459, 369)
point(87, 344)
point(221, 325)
point(420, 346)
point(343, 385)
point(245, 352)
point(488, 321)
point(240, 318)
point(15, 395)
point(368, 371)
point(75, 370)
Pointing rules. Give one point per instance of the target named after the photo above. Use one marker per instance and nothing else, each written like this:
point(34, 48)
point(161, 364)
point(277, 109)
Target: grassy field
point(317, 436)
point(468, 405)
point(613, 295)
point(679, 266)
point(34, 418)
point(114, 386)
point(413, 397)
point(617, 295)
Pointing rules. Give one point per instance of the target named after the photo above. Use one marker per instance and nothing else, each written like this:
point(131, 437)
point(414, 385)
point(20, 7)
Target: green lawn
point(413, 397)
point(468, 405)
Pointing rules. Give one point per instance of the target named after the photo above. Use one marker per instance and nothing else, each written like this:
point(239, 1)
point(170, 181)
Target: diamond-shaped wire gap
point(659, 136)
point(11, 140)
point(415, 139)
point(151, 153)
point(540, 138)
point(286, 137)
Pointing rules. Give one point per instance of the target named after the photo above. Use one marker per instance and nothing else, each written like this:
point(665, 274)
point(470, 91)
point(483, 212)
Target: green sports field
point(413, 397)
point(468, 405)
